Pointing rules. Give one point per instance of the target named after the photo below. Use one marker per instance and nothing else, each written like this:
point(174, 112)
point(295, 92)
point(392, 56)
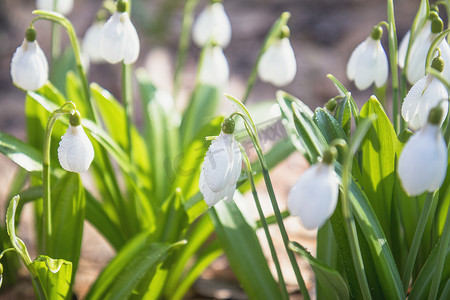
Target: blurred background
point(323, 35)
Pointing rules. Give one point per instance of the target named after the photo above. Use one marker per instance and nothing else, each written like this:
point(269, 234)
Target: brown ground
point(324, 32)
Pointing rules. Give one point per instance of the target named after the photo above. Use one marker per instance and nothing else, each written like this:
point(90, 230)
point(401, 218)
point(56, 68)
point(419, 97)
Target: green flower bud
point(285, 32)
point(122, 6)
point(377, 32)
point(331, 104)
point(433, 15)
point(30, 34)
point(435, 115)
point(437, 25)
point(228, 126)
point(438, 64)
point(329, 155)
point(75, 119)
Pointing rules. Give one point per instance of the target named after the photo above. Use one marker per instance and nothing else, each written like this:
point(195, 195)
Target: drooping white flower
point(91, 42)
point(75, 151)
point(119, 40)
point(423, 162)
point(212, 23)
point(420, 47)
point(368, 63)
point(221, 169)
point(63, 6)
point(314, 196)
point(421, 98)
point(278, 65)
point(29, 67)
point(214, 68)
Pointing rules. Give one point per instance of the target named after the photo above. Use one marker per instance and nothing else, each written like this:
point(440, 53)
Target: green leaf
point(135, 262)
point(379, 148)
point(203, 103)
point(55, 275)
point(21, 153)
point(343, 114)
point(345, 93)
point(243, 251)
point(327, 278)
point(68, 204)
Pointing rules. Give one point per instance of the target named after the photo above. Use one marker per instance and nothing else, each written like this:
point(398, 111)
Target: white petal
point(217, 166)
point(381, 71)
point(416, 62)
point(91, 42)
point(132, 44)
point(278, 64)
point(29, 68)
point(214, 68)
point(403, 49)
point(235, 170)
point(434, 93)
point(75, 151)
point(314, 196)
point(63, 6)
point(366, 65)
point(210, 197)
point(112, 39)
point(354, 58)
point(411, 102)
point(423, 161)
point(212, 23)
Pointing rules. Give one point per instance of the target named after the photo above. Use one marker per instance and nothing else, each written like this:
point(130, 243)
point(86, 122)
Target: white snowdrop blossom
point(419, 50)
point(421, 98)
point(212, 23)
point(423, 162)
point(278, 65)
point(75, 151)
point(63, 6)
point(221, 169)
point(29, 67)
point(119, 40)
point(314, 196)
point(214, 68)
point(368, 63)
point(91, 42)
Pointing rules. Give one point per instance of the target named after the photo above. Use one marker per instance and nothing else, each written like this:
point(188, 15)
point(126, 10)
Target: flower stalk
point(66, 108)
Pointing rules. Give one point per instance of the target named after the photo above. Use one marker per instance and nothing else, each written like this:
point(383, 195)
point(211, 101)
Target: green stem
point(393, 59)
point(183, 46)
point(443, 246)
point(410, 261)
point(64, 22)
point(282, 20)
point(47, 209)
point(127, 96)
point(265, 226)
point(350, 227)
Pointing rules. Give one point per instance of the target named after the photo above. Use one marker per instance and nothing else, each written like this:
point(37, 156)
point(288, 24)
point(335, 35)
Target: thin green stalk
point(127, 97)
point(64, 22)
point(47, 209)
point(273, 253)
point(393, 59)
point(412, 255)
point(443, 246)
point(282, 20)
point(183, 46)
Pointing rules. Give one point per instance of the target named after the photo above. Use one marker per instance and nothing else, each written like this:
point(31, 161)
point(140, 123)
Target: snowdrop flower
point(63, 6)
point(419, 49)
point(29, 67)
point(368, 63)
point(423, 96)
point(423, 162)
point(314, 196)
point(278, 65)
point(212, 23)
point(221, 167)
point(91, 42)
point(214, 67)
point(118, 38)
point(75, 151)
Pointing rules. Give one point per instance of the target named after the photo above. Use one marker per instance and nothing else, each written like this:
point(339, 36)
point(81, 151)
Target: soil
point(323, 34)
